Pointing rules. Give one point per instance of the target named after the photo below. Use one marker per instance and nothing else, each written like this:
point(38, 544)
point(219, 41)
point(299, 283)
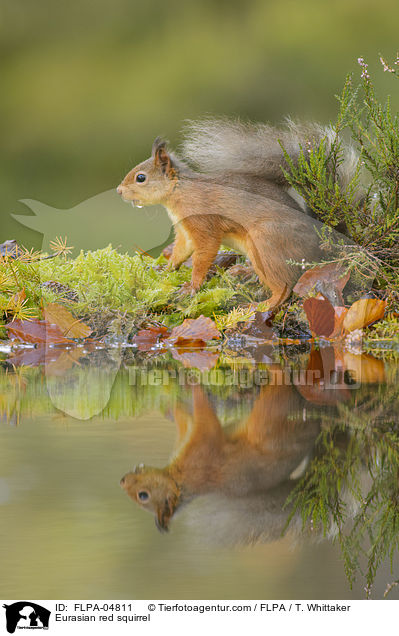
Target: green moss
point(382, 338)
point(384, 329)
point(107, 288)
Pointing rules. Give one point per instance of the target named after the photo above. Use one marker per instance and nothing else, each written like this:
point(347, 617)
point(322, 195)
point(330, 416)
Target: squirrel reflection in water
point(250, 471)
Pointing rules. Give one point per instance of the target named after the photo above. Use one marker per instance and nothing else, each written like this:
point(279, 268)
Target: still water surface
point(70, 430)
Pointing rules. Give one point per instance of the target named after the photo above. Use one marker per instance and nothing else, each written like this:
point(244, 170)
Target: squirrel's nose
point(119, 189)
point(122, 481)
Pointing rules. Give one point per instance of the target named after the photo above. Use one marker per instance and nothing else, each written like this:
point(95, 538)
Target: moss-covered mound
point(115, 292)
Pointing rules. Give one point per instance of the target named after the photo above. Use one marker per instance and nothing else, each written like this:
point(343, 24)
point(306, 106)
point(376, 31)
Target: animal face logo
point(26, 615)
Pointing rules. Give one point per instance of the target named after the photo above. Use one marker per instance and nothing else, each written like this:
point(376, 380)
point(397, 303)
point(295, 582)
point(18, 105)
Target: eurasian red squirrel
point(236, 196)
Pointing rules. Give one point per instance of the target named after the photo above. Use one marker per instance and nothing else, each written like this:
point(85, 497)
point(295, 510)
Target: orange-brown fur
point(209, 210)
point(261, 454)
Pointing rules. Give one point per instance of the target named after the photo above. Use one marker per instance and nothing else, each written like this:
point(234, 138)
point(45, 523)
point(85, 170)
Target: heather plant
point(361, 202)
point(350, 490)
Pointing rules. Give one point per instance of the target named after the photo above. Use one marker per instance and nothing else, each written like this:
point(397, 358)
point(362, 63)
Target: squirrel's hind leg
point(272, 270)
point(278, 296)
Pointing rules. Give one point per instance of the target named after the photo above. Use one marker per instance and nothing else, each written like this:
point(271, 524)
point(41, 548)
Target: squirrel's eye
point(140, 178)
point(143, 495)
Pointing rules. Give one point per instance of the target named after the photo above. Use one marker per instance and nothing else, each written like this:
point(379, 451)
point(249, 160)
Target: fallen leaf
point(364, 312)
point(36, 332)
point(146, 339)
point(70, 326)
point(195, 331)
point(329, 280)
point(321, 316)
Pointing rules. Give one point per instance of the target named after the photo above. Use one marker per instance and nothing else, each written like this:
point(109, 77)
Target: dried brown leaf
point(71, 327)
point(36, 332)
point(329, 279)
point(364, 312)
point(195, 331)
point(321, 316)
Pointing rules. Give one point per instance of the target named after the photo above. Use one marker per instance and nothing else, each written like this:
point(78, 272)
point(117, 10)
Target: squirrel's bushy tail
point(215, 145)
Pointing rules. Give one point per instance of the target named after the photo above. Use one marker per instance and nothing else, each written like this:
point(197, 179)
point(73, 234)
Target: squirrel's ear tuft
point(159, 144)
point(161, 157)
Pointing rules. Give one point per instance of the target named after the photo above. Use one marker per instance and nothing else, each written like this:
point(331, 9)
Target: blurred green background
point(87, 85)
